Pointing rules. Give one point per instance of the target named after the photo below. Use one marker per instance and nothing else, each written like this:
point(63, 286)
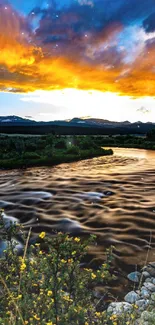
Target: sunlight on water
point(111, 196)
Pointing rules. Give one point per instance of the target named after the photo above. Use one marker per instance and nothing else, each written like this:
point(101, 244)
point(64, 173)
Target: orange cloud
point(26, 66)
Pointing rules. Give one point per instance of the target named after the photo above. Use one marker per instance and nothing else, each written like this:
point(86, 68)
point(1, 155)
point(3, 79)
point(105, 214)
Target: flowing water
point(113, 197)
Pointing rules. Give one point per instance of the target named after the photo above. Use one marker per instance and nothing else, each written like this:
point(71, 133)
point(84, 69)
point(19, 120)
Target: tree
point(151, 135)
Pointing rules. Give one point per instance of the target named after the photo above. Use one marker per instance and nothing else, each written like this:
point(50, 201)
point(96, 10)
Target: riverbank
point(23, 152)
point(127, 141)
point(139, 304)
point(53, 161)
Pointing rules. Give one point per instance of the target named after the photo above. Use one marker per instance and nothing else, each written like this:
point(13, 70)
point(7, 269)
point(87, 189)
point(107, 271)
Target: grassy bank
point(22, 152)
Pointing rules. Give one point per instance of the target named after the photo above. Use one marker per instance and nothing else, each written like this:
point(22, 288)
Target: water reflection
point(110, 196)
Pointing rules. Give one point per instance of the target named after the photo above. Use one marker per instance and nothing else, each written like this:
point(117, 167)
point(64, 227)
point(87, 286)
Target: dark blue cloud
point(72, 20)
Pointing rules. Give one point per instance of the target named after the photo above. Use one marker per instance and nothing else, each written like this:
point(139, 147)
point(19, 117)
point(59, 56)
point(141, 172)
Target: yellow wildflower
point(67, 298)
point(113, 317)
point(73, 253)
point(104, 265)
point(93, 276)
point(70, 260)
point(49, 323)
point(23, 266)
point(36, 317)
point(26, 322)
point(40, 253)
point(98, 314)
point(135, 306)
point(77, 239)
point(19, 296)
point(86, 323)
point(63, 261)
point(49, 293)
point(42, 234)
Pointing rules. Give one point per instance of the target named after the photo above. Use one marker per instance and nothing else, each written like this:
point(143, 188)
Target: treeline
point(69, 130)
point(24, 151)
point(128, 141)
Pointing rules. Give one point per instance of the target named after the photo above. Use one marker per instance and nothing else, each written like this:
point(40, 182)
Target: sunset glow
point(86, 47)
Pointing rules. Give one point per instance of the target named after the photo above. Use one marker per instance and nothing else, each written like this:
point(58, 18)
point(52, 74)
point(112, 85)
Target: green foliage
point(73, 150)
point(50, 140)
point(19, 152)
point(151, 135)
point(46, 285)
point(60, 144)
point(30, 155)
point(87, 143)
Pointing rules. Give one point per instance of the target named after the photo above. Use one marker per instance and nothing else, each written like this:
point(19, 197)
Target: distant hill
point(16, 124)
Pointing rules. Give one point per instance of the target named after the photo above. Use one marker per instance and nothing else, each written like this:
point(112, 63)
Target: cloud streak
point(81, 45)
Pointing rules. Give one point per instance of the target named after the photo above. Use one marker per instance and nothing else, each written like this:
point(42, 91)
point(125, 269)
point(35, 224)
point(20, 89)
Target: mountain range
point(77, 123)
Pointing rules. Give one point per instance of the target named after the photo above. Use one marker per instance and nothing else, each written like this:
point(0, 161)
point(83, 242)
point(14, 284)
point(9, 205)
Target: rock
point(149, 286)
point(142, 303)
point(118, 308)
point(147, 316)
point(153, 280)
point(153, 296)
point(144, 293)
point(134, 276)
point(131, 297)
point(148, 280)
point(150, 268)
point(145, 274)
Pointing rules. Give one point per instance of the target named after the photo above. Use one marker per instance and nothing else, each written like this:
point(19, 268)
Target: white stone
point(153, 296)
point(149, 286)
point(146, 274)
point(148, 280)
point(144, 293)
point(118, 308)
point(142, 303)
point(131, 297)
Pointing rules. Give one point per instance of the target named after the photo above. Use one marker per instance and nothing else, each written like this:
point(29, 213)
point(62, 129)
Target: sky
point(61, 59)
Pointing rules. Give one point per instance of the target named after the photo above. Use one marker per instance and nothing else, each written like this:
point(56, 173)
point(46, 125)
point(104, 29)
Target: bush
point(46, 284)
point(30, 155)
point(87, 143)
point(151, 135)
point(73, 150)
point(61, 144)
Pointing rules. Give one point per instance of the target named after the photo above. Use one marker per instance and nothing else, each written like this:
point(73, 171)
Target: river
point(113, 197)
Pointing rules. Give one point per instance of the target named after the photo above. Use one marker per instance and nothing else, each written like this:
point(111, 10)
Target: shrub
point(30, 155)
point(73, 150)
point(46, 285)
point(61, 144)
